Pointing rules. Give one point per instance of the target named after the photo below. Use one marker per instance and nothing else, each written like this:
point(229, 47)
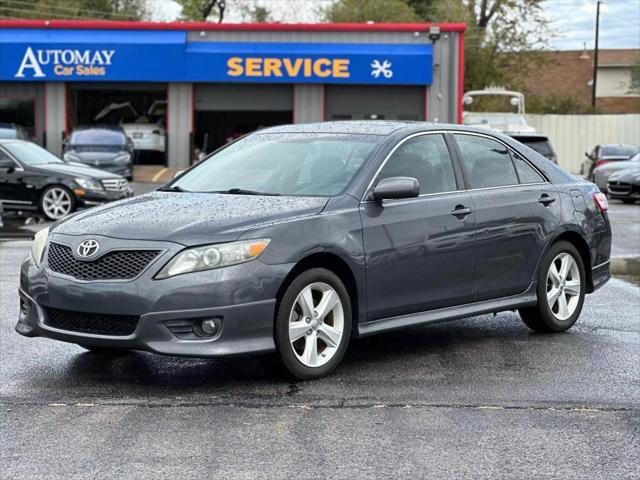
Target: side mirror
point(7, 164)
point(396, 187)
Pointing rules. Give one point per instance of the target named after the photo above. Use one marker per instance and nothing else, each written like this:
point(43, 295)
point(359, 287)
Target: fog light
point(24, 308)
point(209, 327)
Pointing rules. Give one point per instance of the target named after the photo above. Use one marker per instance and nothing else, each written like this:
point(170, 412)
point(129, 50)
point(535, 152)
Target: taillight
point(601, 201)
point(601, 162)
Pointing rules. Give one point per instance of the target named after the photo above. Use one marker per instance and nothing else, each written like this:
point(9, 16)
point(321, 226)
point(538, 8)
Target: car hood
point(74, 170)
point(98, 156)
point(626, 175)
point(187, 218)
point(610, 167)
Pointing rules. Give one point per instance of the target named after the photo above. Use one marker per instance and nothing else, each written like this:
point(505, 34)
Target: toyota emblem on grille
point(88, 248)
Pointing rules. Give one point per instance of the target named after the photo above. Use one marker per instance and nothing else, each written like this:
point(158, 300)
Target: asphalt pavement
point(477, 398)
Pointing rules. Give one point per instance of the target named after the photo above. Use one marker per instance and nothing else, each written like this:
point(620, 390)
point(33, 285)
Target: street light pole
point(595, 57)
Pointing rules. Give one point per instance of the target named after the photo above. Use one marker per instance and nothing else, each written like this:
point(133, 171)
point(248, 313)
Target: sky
point(574, 20)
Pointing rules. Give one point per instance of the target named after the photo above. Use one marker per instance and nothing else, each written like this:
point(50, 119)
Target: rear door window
point(487, 162)
point(526, 172)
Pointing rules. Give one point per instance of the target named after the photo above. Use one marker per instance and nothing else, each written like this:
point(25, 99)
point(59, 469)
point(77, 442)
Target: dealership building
point(218, 81)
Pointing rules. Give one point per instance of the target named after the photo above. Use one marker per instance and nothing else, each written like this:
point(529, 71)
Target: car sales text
point(65, 62)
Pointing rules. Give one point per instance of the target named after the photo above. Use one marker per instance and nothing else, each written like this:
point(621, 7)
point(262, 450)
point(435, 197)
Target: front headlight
point(88, 184)
point(70, 157)
point(39, 242)
point(214, 256)
point(123, 158)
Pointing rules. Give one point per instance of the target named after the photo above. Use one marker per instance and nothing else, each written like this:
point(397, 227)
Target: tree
point(503, 39)
point(251, 12)
point(202, 10)
point(370, 11)
point(74, 9)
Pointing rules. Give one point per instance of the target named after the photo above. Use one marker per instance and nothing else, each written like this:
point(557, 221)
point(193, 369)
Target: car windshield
point(8, 133)
point(30, 153)
point(538, 144)
point(618, 150)
point(305, 164)
point(98, 137)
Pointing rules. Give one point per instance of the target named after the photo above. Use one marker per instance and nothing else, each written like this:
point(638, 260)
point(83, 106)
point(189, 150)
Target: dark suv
point(537, 142)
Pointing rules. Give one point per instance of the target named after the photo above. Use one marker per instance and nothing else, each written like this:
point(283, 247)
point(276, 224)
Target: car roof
point(113, 128)
point(365, 127)
point(372, 127)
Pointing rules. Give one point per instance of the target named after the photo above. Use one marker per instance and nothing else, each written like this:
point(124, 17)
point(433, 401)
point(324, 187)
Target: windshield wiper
point(242, 191)
point(175, 188)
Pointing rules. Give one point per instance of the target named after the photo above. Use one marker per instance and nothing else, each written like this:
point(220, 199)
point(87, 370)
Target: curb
point(625, 265)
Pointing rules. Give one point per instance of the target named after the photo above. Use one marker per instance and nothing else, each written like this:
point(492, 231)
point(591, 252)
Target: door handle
point(460, 211)
point(546, 200)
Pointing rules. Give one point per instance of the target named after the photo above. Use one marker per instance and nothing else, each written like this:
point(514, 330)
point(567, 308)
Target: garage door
point(371, 102)
point(243, 97)
point(226, 112)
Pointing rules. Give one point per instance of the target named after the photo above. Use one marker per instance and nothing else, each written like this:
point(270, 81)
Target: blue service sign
point(167, 56)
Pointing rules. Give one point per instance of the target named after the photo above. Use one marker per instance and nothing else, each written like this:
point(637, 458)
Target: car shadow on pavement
point(434, 350)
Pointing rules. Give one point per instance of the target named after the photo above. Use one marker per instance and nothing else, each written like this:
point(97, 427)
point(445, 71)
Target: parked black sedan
point(31, 178)
point(101, 146)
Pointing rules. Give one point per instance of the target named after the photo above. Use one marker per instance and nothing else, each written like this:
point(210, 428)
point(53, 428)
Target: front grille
point(619, 187)
point(97, 323)
point(114, 265)
point(115, 184)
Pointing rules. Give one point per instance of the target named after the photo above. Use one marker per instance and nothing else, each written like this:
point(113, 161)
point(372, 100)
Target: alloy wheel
point(56, 203)
point(563, 286)
point(316, 324)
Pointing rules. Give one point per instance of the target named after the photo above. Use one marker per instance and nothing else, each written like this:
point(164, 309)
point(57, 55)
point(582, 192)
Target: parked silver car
point(602, 173)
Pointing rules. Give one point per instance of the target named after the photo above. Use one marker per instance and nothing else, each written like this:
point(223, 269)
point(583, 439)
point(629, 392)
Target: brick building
point(570, 73)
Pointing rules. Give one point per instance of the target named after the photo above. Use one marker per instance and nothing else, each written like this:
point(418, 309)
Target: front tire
point(57, 202)
point(561, 290)
point(313, 324)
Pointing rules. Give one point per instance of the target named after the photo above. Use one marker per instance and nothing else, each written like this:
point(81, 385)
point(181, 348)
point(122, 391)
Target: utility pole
point(595, 57)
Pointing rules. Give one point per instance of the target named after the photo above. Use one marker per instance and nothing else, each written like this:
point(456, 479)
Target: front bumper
point(624, 190)
point(99, 197)
point(241, 298)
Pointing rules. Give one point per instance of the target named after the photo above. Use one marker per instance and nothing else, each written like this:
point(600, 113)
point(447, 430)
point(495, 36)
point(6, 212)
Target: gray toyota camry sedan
point(297, 238)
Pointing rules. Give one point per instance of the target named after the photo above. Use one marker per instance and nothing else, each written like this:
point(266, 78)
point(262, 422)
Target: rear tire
point(561, 289)
point(313, 324)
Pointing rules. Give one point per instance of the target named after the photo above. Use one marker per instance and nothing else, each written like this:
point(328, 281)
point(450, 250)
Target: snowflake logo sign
point(383, 69)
